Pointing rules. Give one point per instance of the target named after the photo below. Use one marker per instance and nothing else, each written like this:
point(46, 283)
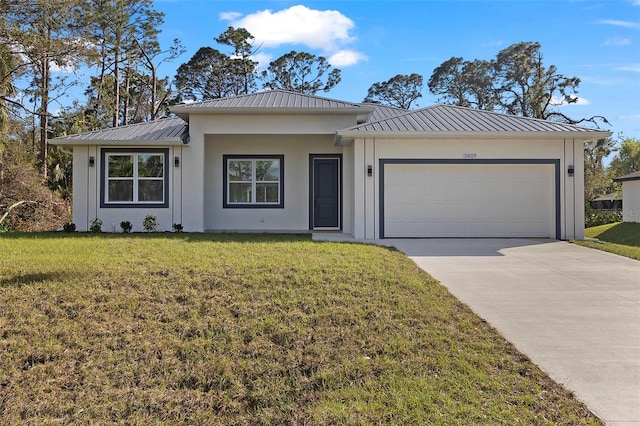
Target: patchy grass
point(619, 238)
point(258, 329)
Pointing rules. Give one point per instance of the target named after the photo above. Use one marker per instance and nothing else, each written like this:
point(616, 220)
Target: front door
point(326, 193)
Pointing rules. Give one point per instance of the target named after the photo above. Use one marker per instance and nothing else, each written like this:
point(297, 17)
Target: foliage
point(626, 160)
point(242, 42)
point(399, 91)
point(150, 223)
point(36, 208)
point(595, 217)
point(209, 74)
point(248, 330)
point(95, 226)
point(126, 226)
point(177, 227)
point(619, 238)
point(596, 181)
point(69, 227)
point(301, 72)
point(516, 82)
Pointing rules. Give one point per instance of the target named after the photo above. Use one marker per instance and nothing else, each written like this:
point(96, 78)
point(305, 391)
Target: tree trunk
point(44, 114)
point(116, 89)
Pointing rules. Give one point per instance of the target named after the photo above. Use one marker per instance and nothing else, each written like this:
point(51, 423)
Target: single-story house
point(279, 161)
point(610, 201)
point(631, 193)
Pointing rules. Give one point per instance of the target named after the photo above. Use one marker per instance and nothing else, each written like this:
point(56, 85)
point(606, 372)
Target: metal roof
point(380, 112)
point(630, 176)
point(612, 196)
point(273, 100)
point(449, 118)
point(166, 130)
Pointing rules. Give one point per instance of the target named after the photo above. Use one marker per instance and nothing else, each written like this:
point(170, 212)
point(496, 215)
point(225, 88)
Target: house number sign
point(469, 155)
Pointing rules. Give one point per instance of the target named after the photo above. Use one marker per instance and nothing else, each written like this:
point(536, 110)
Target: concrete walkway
point(574, 311)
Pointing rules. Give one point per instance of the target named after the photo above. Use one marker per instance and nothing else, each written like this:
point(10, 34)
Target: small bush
point(126, 226)
point(69, 227)
point(150, 223)
point(177, 227)
point(595, 217)
point(96, 226)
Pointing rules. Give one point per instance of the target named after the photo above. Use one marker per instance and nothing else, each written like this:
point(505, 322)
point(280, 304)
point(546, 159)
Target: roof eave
point(89, 142)
point(584, 136)
point(185, 111)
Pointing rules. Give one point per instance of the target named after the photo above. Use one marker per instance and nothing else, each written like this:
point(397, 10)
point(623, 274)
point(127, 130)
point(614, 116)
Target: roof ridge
point(264, 92)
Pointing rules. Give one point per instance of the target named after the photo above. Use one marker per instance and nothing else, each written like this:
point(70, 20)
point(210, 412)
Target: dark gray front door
point(326, 193)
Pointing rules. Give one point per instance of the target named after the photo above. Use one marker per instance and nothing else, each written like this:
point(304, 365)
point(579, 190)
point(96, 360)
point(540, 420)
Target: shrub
point(96, 226)
point(595, 217)
point(150, 223)
point(177, 227)
point(126, 226)
point(69, 227)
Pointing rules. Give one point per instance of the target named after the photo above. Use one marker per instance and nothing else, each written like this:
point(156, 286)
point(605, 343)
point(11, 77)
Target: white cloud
point(632, 68)
point(318, 29)
point(345, 58)
point(636, 2)
point(263, 59)
point(561, 102)
point(623, 24)
point(325, 30)
point(229, 16)
point(631, 117)
point(617, 41)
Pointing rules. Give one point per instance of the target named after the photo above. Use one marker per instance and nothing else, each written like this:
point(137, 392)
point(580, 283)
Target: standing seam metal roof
point(449, 118)
point(159, 130)
point(271, 99)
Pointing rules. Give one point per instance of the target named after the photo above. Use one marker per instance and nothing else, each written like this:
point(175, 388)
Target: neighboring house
point(610, 201)
point(281, 161)
point(631, 193)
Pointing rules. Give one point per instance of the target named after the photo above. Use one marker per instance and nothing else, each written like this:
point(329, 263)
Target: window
point(134, 178)
point(253, 181)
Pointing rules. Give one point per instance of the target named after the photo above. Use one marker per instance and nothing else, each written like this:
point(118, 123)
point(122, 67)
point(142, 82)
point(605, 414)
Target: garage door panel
point(469, 200)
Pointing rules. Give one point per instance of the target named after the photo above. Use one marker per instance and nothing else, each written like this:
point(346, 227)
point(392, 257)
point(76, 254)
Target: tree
point(242, 42)
point(516, 82)
point(596, 181)
point(122, 31)
point(209, 74)
point(626, 159)
point(151, 60)
point(301, 72)
point(464, 83)
point(45, 35)
point(399, 91)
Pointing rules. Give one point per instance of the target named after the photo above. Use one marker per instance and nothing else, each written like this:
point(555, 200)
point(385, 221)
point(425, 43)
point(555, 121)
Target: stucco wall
point(296, 150)
point(86, 194)
point(370, 151)
point(631, 201)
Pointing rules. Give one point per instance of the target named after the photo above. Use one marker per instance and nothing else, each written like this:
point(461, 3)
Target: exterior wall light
point(570, 170)
point(92, 161)
point(176, 161)
point(369, 170)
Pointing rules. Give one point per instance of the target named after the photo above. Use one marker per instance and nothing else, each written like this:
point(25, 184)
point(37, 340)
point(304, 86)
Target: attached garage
point(454, 172)
point(449, 198)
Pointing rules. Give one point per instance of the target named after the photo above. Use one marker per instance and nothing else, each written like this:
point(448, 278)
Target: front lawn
point(619, 238)
point(258, 329)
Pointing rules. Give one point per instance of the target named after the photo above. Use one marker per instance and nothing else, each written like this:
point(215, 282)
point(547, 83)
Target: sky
point(371, 41)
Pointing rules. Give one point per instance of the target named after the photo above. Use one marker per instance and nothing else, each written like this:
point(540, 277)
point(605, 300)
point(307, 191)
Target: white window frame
point(135, 179)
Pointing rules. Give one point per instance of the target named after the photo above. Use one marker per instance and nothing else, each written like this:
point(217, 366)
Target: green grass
point(249, 329)
point(619, 238)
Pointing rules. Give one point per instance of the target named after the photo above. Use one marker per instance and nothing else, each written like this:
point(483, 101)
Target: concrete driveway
point(574, 311)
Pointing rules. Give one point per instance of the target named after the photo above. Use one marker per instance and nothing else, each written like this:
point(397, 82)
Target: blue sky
point(372, 41)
